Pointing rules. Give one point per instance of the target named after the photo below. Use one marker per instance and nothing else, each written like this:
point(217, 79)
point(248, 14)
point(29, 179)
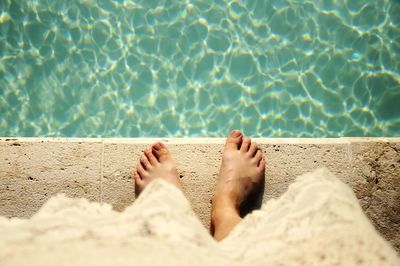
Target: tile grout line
point(101, 170)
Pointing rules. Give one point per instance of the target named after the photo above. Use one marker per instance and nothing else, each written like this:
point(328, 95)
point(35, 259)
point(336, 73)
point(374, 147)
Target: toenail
point(236, 133)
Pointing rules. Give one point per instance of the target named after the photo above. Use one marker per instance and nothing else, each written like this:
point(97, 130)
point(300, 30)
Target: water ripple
point(87, 68)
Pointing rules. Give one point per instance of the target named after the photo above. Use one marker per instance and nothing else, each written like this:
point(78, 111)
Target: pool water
point(152, 68)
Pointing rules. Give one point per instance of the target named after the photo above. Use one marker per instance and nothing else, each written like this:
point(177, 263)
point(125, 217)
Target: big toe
point(234, 139)
point(161, 152)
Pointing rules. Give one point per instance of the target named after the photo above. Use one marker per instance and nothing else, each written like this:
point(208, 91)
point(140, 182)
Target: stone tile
point(32, 170)
point(377, 165)
point(196, 165)
point(287, 160)
point(117, 184)
point(200, 167)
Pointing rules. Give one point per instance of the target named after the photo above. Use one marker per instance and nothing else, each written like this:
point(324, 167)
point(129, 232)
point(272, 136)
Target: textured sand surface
point(318, 221)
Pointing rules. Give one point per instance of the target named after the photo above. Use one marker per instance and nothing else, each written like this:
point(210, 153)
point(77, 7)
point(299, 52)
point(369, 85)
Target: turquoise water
point(272, 68)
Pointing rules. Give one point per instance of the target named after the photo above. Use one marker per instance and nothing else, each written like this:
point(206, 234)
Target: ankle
point(224, 217)
point(223, 208)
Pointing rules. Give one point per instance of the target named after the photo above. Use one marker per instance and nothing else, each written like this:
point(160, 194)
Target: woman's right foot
point(155, 162)
point(241, 173)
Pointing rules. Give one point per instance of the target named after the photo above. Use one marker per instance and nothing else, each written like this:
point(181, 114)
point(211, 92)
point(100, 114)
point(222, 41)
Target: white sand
point(318, 221)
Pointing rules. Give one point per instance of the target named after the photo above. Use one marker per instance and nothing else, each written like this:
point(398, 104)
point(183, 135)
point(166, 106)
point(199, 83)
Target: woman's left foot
point(156, 162)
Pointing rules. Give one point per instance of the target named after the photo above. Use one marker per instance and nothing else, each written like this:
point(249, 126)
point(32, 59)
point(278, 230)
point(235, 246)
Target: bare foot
point(155, 162)
point(242, 172)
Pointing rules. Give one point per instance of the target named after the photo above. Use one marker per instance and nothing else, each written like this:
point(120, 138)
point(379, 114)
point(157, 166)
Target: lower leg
point(223, 218)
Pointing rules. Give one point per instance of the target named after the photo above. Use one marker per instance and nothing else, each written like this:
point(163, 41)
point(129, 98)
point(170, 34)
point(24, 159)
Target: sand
point(318, 221)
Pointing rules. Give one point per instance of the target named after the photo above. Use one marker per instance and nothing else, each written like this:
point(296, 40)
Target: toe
point(158, 145)
point(141, 171)
point(145, 162)
point(258, 157)
point(261, 165)
point(234, 139)
point(138, 179)
point(160, 151)
point(253, 148)
point(150, 156)
point(139, 184)
point(245, 144)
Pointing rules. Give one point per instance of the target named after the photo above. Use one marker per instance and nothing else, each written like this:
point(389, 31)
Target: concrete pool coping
point(100, 169)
